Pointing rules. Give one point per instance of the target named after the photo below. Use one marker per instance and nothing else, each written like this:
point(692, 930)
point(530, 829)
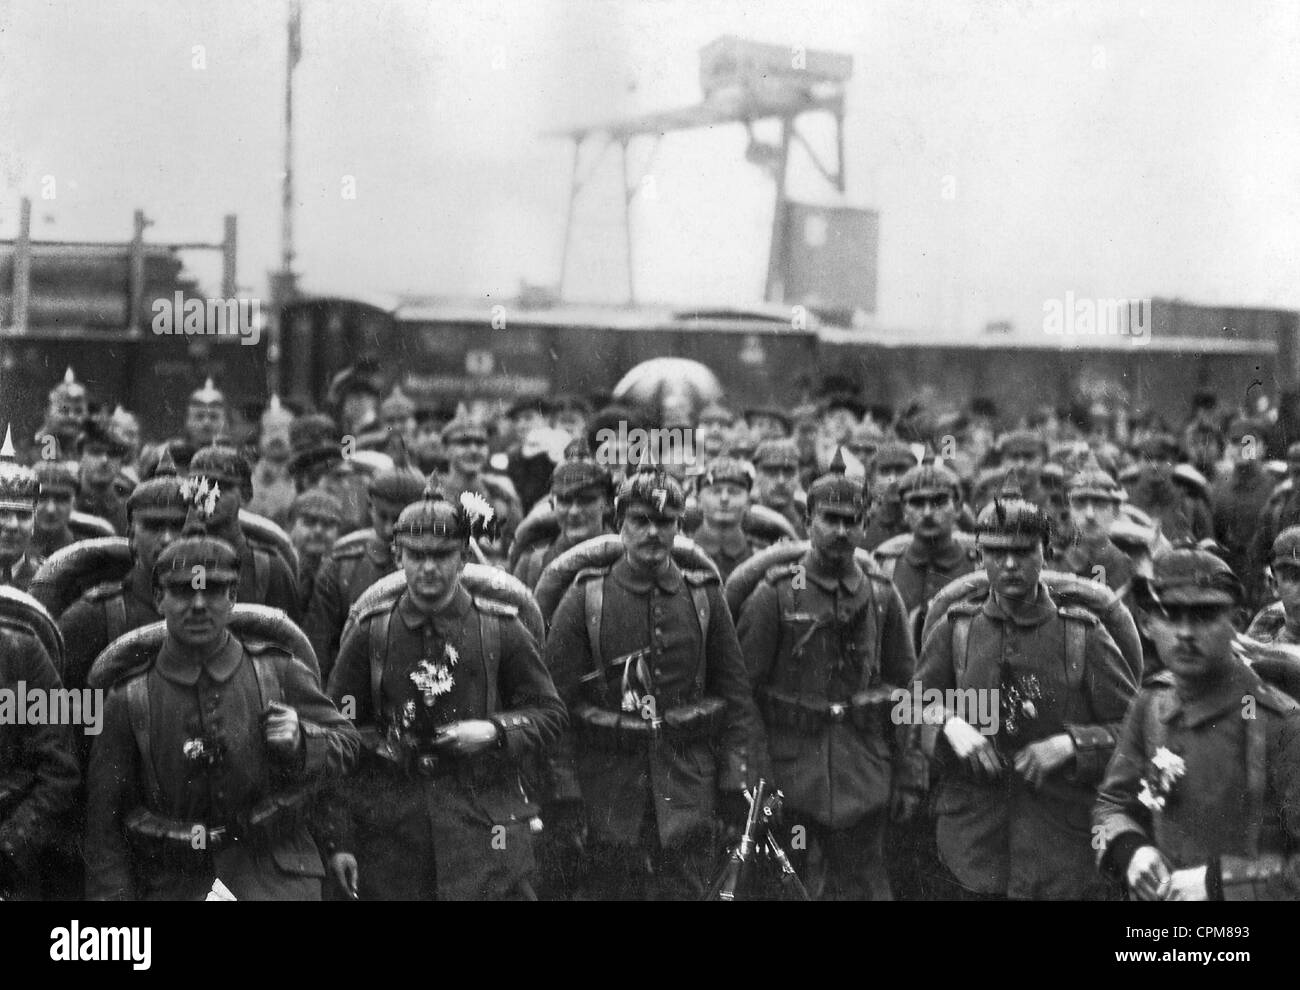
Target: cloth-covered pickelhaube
point(1094, 482)
point(20, 488)
point(225, 465)
point(652, 486)
point(1009, 521)
point(399, 484)
point(432, 522)
point(159, 496)
point(836, 491)
point(57, 476)
point(930, 479)
point(727, 469)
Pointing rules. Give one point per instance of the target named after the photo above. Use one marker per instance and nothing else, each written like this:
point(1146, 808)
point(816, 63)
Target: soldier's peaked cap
point(1188, 575)
point(19, 485)
point(317, 502)
point(215, 559)
point(896, 455)
point(724, 469)
point(835, 490)
point(57, 476)
point(777, 453)
point(1286, 548)
point(579, 471)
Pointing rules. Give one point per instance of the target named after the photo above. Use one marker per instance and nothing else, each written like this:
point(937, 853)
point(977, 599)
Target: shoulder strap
point(1255, 781)
point(378, 656)
point(1076, 645)
point(261, 573)
point(268, 682)
point(700, 599)
point(115, 615)
point(594, 605)
point(961, 623)
point(489, 630)
point(137, 703)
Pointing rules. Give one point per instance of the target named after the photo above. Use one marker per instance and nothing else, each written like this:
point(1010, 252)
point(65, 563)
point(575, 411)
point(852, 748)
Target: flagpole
point(282, 282)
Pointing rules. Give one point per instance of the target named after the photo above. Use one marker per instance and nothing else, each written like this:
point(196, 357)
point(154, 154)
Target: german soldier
point(67, 408)
point(885, 517)
point(264, 576)
point(582, 496)
point(206, 756)
point(357, 561)
point(932, 554)
point(646, 657)
point(1014, 795)
point(156, 514)
point(452, 696)
point(19, 491)
point(1094, 498)
point(57, 525)
point(1158, 492)
point(777, 480)
point(724, 490)
point(1202, 797)
point(824, 642)
point(102, 454)
point(314, 519)
point(206, 416)
point(38, 772)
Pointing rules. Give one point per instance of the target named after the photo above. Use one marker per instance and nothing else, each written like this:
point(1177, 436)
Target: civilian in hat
point(1237, 498)
point(208, 756)
point(273, 485)
point(19, 492)
point(1202, 798)
point(453, 699)
point(1017, 775)
point(265, 577)
point(397, 415)
point(357, 561)
point(723, 495)
point(1203, 438)
point(66, 411)
point(885, 518)
point(572, 413)
point(645, 656)
point(156, 514)
point(314, 518)
point(776, 481)
point(319, 460)
point(207, 417)
point(529, 462)
point(825, 641)
point(1094, 499)
point(354, 393)
point(102, 453)
point(582, 497)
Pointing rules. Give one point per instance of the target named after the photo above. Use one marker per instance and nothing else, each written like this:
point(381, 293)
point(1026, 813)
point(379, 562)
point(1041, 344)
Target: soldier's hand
point(467, 738)
point(283, 733)
point(1148, 874)
point(1039, 759)
point(343, 868)
point(1187, 885)
point(972, 747)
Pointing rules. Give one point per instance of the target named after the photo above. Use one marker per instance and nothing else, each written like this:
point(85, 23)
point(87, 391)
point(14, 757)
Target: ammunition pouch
point(629, 732)
point(867, 711)
point(180, 844)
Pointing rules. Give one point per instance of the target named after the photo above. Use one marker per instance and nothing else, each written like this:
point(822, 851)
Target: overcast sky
point(1108, 149)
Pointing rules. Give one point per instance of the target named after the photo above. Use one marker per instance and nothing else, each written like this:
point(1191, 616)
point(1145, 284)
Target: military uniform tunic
point(1239, 794)
point(1002, 837)
point(352, 566)
point(463, 831)
point(100, 616)
point(219, 702)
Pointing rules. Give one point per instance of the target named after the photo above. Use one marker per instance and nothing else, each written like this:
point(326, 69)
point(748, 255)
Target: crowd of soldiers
point(392, 652)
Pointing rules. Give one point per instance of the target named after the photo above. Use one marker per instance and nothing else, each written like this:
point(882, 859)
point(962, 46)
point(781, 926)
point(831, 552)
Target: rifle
point(735, 876)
